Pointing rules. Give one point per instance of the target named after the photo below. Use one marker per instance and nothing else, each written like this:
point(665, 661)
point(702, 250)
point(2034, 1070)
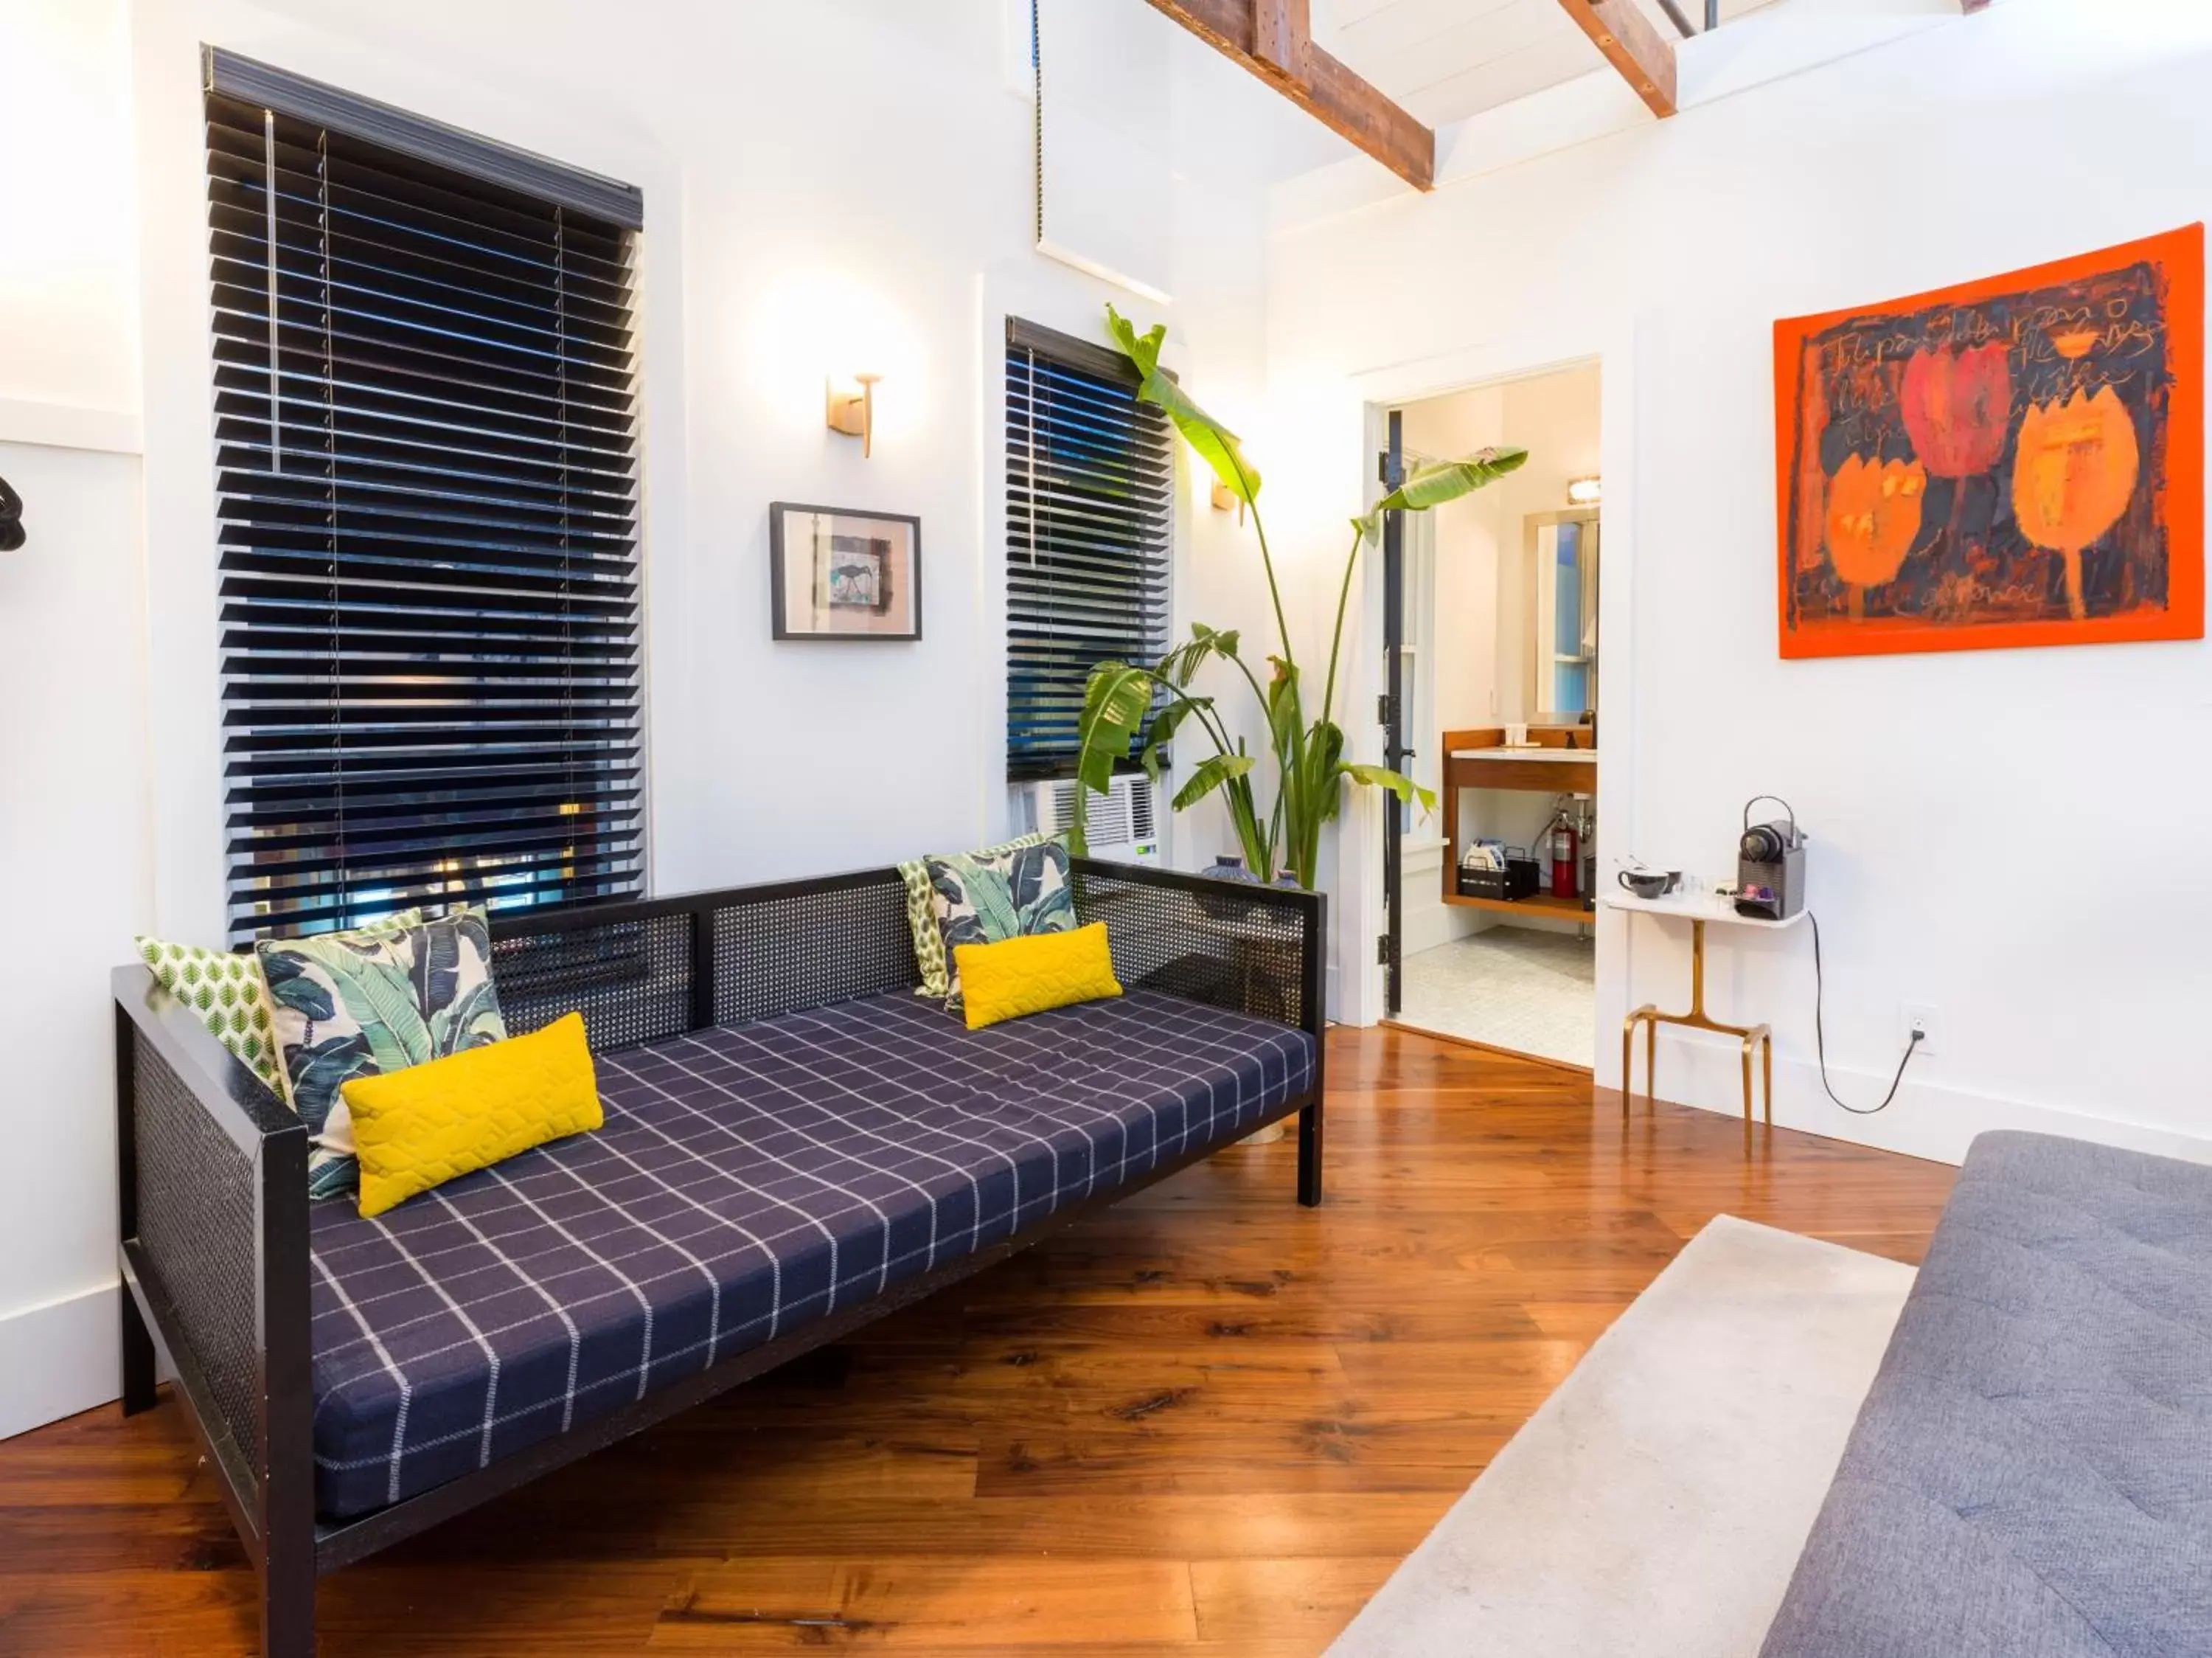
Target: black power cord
point(1820, 1037)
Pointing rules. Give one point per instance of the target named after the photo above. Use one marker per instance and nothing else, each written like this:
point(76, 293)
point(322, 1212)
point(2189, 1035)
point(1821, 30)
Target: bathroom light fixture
point(1584, 491)
point(852, 410)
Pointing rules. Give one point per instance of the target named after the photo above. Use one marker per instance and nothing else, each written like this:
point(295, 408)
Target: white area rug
point(1655, 1505)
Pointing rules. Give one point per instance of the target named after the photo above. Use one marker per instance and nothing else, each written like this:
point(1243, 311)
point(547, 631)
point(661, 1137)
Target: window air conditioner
point(1121, 821)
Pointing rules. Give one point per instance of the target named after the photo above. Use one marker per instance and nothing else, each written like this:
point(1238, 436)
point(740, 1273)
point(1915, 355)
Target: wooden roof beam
point(1631, 45)
point(1274, 39)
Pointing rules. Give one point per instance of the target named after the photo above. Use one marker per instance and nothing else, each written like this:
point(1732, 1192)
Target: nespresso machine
point(1770, 866)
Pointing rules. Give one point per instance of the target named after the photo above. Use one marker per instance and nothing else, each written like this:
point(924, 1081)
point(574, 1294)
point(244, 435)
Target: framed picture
point(2014, 461)
point(837, 574)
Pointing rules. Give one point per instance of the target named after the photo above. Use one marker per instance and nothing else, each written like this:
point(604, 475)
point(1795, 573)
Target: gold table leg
point(1757, 1039)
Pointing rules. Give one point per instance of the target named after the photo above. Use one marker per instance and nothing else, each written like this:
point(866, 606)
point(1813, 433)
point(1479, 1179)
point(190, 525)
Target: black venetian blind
point(1090, 512)
point(426, 492)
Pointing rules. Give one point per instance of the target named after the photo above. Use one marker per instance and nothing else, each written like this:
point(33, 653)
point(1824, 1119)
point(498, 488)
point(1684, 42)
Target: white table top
point(1695, 906)
point(1588, 756)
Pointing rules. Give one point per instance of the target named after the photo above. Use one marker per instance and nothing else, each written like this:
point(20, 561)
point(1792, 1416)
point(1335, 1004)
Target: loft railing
point(1676, 17)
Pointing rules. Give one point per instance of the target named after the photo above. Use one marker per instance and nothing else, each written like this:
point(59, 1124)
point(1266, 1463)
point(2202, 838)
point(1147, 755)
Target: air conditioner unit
point(1121, 821)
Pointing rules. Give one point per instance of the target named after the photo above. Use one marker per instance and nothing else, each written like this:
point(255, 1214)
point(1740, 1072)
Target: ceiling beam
point(1644, 56)
point(1274, 39)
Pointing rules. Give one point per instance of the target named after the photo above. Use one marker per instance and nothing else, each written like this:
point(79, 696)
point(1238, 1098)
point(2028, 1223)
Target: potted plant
point(1310, 772)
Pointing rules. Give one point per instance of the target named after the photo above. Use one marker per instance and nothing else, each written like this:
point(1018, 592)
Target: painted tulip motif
point(1957, 407)
point(2074, 475)
point(1874, 518)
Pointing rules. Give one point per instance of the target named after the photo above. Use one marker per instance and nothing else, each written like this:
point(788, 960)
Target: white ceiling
point(1447, 60)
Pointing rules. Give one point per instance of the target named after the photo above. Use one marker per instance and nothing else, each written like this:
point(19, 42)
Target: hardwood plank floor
point(1207, 1421)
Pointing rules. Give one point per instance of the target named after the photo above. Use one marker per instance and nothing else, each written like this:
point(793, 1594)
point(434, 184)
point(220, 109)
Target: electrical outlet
point(1919, 1016)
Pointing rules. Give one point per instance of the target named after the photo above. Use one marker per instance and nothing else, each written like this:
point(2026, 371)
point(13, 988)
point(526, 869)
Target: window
point(426, 502)
point(1090, 511)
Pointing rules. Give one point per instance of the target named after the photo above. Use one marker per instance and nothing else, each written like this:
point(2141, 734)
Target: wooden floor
point(1207, 1422)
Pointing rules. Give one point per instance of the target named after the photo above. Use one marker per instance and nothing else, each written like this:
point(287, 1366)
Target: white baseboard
point(60, 1358)
point(1927, 1119)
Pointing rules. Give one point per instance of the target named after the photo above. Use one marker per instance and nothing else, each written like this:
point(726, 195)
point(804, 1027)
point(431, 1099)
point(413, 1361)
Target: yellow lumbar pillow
point(1018, 976)
point(418, 1128)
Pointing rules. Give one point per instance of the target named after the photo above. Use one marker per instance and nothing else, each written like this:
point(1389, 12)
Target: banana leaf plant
point(1310, 772)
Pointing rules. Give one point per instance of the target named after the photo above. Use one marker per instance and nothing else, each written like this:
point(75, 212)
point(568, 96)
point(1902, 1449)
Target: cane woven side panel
point(198, 1223)
point(1222, 947)
point(630, 979)
point(787, 954)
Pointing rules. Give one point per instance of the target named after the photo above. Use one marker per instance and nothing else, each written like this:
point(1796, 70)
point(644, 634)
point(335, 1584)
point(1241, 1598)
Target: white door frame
point(1358, 885)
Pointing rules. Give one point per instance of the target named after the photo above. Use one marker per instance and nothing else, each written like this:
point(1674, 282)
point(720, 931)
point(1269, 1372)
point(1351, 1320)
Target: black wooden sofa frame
point(212, 1167)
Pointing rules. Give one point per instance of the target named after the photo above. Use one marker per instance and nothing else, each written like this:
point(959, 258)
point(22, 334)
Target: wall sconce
point(854, 411)
point(1585, 491)
point(11, 518)
point(1224, 500)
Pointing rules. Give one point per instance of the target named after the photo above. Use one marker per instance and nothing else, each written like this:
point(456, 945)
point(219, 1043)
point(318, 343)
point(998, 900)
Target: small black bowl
point(1650, 883)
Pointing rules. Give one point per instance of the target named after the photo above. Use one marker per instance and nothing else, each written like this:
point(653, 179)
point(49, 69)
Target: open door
point(1391, 714)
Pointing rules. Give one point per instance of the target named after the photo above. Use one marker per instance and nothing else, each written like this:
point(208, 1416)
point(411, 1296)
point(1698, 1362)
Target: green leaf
point(290, 986)
point(1114, 700)
point(1164, 727)
point(1440, 481)
point(1143, 350)
point(991, 896)
point(1381, 777)
point(1180, 665)
point(472, 1020)
point(377, 994)
point(1216, 445)
point(1324, 752)
point(317, 1072)
point(1210, 775)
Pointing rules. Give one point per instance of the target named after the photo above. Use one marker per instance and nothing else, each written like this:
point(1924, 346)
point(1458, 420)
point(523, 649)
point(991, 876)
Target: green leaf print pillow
point(359, 1004)
point(226, 990)
point(985, 898)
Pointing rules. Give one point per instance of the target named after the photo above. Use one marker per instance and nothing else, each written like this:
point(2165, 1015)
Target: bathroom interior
point(1504, 693)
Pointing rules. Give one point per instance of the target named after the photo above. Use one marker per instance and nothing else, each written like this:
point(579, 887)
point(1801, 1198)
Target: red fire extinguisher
point(1566, 855)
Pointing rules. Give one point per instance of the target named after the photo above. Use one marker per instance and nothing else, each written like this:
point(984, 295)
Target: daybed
point(2031, 1476)
point(795, 1144)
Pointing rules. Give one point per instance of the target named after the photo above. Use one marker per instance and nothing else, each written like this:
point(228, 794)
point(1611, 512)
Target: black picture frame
point(869, 579)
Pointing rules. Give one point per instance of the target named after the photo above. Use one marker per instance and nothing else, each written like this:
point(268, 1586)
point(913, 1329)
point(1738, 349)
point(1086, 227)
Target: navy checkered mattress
point(749, 1179)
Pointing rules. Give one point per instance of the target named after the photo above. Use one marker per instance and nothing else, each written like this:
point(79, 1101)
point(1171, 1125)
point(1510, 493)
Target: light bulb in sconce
point(852, 409)
point(1585, 491)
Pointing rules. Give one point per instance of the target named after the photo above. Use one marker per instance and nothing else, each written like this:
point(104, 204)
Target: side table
point(1696, 909)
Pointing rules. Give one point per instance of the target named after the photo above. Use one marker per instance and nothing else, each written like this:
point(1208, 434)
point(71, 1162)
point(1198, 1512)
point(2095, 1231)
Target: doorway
point(1500, 687)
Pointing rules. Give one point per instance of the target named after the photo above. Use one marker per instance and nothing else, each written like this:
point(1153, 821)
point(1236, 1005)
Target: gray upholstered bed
point(2031, 1476)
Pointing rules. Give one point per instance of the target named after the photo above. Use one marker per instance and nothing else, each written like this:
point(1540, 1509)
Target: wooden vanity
point(1561, 761)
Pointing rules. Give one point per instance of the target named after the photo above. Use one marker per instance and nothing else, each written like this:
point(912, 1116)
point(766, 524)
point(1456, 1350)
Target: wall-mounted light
point(1584, 491)
point(11, 518)
point(852, 410)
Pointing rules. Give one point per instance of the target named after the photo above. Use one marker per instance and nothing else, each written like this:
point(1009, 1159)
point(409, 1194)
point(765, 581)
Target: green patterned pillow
point(227, 990)
point(986, 898)
point(922, 918)
point(362, 1004)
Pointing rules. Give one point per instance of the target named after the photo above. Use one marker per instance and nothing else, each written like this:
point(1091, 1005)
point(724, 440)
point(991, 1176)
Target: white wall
point(838, 185)
point(2010, 836)
point(72, 690)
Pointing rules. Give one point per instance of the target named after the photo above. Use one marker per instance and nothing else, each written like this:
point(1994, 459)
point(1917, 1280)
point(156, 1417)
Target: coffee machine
point(1770, 867)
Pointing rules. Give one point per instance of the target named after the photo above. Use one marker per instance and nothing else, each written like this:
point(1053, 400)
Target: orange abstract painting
point(2018, 461)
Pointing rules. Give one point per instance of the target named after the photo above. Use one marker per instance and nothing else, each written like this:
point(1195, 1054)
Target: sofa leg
point(288, 1607)
point(138, 1357)
point(1309, 1155)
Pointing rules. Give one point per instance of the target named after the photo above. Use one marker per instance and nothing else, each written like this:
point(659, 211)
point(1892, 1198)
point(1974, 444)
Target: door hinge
point(1386, 711)
point(1382, 951)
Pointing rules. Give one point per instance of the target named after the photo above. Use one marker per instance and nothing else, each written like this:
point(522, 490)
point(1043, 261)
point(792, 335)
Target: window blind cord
point(1820, 1039)
point(275, 375)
